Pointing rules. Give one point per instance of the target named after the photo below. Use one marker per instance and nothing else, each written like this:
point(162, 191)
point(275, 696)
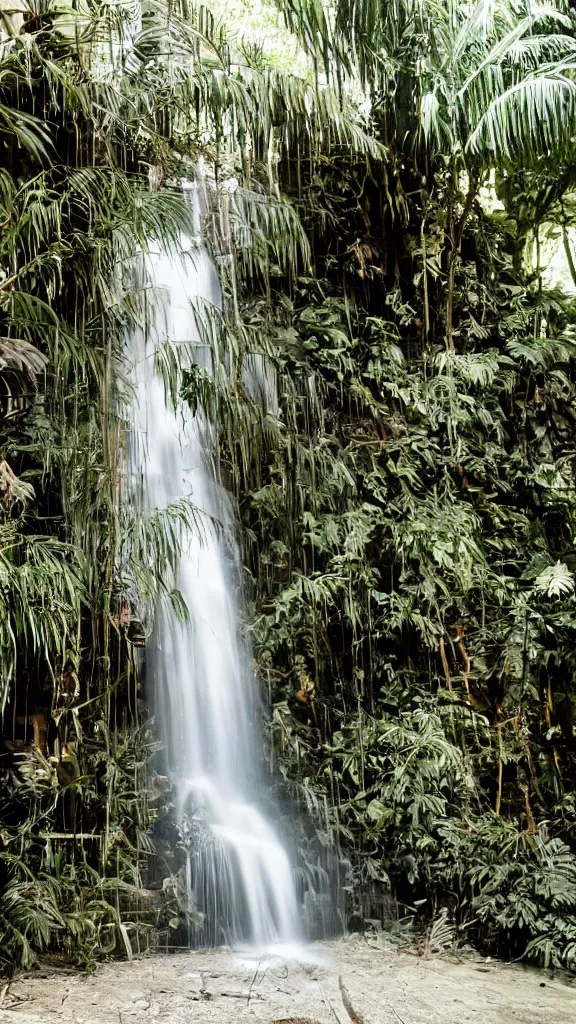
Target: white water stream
point(239, 874)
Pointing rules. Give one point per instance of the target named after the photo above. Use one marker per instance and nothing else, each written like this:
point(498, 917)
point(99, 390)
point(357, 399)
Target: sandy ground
point(353, 981)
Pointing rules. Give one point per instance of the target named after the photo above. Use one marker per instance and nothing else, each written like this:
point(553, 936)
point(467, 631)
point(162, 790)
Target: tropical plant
point(393, 385)
point(103, 110)
point(407, 500)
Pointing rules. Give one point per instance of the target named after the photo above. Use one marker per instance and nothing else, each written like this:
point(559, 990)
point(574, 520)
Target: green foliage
point(408, 511)
point(100, 109)
point(75, 837)
point(533, 898)
point(394, 388)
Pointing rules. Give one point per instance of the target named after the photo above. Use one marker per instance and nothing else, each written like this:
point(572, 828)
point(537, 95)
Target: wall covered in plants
point(379, 214)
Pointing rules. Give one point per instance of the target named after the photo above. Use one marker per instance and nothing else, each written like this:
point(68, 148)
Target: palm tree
point(469, 85)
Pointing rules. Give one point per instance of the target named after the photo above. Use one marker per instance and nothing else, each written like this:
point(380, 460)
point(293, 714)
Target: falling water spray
point(239, 875)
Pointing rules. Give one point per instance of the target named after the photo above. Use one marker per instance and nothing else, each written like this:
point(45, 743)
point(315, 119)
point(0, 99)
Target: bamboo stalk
point(445, 665)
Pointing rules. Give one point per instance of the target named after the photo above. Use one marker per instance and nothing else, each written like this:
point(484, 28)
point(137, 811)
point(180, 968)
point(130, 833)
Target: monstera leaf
point(555, 581)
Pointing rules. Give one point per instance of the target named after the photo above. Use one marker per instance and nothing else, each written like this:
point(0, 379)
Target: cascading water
point(239, 874)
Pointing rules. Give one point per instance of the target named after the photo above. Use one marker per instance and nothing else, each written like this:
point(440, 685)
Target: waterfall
point(198, 669)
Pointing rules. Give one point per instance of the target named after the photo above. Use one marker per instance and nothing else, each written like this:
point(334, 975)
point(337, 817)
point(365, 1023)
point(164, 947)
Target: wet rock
point(195, 985)
point(194, 977)
point(442, 993)
point(296, 1020)
point(137, 1005)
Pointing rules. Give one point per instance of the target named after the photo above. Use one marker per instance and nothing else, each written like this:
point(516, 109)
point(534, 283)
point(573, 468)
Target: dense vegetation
point(408, 502)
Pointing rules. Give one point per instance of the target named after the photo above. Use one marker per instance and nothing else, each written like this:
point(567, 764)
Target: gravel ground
point(349, 981)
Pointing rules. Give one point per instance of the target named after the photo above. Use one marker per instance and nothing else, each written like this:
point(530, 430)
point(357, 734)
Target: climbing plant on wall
point(103, 110)
point(376, 213)
point(408, 504)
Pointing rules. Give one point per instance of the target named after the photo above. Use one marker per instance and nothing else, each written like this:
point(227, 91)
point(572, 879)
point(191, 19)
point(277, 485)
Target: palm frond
point(531, 117)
